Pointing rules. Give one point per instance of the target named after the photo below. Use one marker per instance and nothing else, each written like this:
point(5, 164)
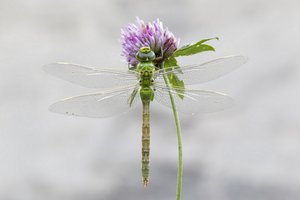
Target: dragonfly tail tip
point(145, 183)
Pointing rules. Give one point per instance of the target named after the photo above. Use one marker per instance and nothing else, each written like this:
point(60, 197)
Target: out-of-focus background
point(250, 151)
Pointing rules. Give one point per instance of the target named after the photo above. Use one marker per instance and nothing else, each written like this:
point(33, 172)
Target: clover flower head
point(161, 41)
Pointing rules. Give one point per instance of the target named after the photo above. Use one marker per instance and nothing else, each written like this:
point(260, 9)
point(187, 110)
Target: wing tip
point(242, 58)
point(49, 66)
point(53, 108)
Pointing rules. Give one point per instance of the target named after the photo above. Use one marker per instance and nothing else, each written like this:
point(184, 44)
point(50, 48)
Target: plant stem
point(178, 131)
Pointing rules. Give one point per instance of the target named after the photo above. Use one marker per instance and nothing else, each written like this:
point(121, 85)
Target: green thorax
point(146, 70)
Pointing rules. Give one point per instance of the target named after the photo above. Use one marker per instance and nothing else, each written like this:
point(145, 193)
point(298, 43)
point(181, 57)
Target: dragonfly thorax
point(147, 75)
point(145, 67)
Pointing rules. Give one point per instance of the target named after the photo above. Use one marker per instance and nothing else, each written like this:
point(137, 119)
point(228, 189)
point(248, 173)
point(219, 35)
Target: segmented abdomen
point(146, 142)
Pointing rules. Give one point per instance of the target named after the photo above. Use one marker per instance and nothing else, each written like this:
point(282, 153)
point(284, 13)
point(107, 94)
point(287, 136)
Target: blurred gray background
point(250, 151)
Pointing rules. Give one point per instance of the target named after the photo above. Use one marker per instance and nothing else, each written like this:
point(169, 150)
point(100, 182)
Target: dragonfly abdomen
point(146, 96)
point(146, 143)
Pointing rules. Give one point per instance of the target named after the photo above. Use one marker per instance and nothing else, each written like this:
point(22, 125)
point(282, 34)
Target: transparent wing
point(98, 105)
point(194, 101)
point(207, 71)
point(91, 77)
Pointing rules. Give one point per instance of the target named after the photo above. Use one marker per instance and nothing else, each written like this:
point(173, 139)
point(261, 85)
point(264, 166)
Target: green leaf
point(195, 48)
point(175, 82)
point(170, 64)
point(132, 96)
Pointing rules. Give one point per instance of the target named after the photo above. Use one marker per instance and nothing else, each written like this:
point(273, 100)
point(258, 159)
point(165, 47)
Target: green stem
point(178, 131)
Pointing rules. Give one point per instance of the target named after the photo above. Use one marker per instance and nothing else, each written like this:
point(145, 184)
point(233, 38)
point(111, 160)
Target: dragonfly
point(125, 89)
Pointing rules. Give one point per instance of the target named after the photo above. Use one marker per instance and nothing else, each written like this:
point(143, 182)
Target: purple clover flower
point(154, 35)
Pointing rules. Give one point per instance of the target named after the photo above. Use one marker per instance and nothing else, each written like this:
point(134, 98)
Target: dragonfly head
point(145, 54)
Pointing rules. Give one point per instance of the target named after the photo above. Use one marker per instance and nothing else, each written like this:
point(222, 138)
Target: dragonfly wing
point(194, 101)
point(91, 77)
point(207, 71)
point(97, 105)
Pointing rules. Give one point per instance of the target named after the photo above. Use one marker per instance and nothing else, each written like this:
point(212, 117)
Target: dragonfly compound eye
point(145, 54)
